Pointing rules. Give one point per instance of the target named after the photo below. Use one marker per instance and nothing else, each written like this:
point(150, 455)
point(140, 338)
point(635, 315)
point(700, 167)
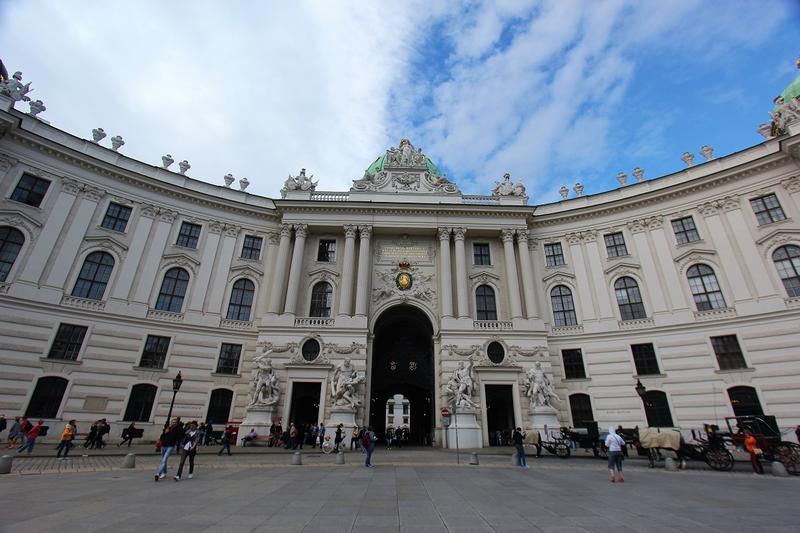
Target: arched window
point(140, 403)
point(744, 401)
point(705, 289)
point(219, 406)
point(656, 408)
point(94, 276)
point(321, 299)
point(787, 261)
point(173, 290)
point(580, 405)
point(46, 397)
point(485, 306)
point(241, 300)
point(11, 241)
point(563, 306)
point(629, 299)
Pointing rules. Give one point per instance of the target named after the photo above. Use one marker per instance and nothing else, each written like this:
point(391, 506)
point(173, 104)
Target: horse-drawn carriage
point(768, 437)
point(708, 446)
point(562, 442)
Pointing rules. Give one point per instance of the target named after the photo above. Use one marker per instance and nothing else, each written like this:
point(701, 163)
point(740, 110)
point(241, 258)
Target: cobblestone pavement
point(407, 491)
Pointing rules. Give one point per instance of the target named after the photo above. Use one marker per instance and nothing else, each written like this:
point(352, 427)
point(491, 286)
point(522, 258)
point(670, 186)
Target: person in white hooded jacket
point(614, 444)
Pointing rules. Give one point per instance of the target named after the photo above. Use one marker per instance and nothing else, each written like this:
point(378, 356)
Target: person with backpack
point(66, 439)
point(615, 443)
point(368, 442)
point(227, 437)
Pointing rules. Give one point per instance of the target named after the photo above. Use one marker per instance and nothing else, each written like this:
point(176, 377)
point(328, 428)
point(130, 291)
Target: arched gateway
point(402, 363)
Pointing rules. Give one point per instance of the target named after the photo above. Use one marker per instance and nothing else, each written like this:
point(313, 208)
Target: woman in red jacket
point(31, 434)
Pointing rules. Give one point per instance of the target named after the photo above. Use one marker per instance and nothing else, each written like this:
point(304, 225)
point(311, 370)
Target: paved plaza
point(407, 491)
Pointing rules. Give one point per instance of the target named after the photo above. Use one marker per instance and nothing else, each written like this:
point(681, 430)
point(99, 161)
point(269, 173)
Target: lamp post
point(177, 381)
point(641, 390)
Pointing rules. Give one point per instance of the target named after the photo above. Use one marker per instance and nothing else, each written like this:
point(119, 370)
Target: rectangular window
point(326, 251)
point(553, 254)
point(685, 230)
point(729, 355)
point(116, 217)
point(189, 235)
point(155, 352)
point(644, 357)
point(573, 364)
point(480, 254)
point(228, 362)
point(767, 209)
point(251, 249)
point(30, 190)
point(615, 244)
point(68, 342)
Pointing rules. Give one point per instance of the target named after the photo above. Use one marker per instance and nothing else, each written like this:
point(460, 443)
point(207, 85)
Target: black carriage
point(556, 444)
point(587, 438)
point(768, 437)
point(709, 446)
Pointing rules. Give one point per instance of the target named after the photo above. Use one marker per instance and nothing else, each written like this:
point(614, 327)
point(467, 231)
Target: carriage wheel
point(601, 452)
point(788, 453)
point(719, 459)
point(562, 450)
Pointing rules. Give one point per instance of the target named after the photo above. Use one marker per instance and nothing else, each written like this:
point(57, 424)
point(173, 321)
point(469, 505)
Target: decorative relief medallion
point(406, 281)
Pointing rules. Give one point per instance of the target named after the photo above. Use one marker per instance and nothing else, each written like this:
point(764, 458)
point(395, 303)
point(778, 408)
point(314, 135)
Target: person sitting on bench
point(250, 437)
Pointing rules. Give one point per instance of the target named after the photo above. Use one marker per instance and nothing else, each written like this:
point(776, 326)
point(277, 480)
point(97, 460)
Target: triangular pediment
point(180, 258)
point(18, 219)
point(785, 234)
point(698, 252)
point(106, 241)
point(253, 270)
point(323, 271)
point(622, 266)
point(484, 275)
point(558, 274)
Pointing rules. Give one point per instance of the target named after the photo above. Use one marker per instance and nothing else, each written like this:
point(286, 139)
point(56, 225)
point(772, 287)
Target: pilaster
point(364, 262)
point(445, 281)
point(512, 281)
point(296, 268)
point(459, 235)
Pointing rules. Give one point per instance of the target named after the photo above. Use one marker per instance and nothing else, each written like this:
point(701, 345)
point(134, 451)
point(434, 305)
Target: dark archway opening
point(304, 408)
point(402, 363)
point(499, 414)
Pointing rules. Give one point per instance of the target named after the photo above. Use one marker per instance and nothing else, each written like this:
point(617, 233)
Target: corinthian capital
point(301, 230)
point(444, 234)
point(365, 232)
point(522, 236)
point(286, 230)
point(350, 231)
point(507, 235)
point(459, 234)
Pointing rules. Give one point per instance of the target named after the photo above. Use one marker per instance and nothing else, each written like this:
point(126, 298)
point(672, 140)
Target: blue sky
point(552, 92)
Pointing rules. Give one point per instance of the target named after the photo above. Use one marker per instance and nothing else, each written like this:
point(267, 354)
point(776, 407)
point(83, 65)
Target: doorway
point(499, 414)
point(402, 364)
point(219, 407)
point(304, 408)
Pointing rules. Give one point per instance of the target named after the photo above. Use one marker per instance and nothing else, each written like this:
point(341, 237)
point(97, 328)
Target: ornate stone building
point(116, 274)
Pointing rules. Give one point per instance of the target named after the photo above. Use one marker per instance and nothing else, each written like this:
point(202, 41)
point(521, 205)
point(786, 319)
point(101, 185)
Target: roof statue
point(507, 188)
point(301, 182)
point(786, 110)
point(404, 168)
point(15, 89)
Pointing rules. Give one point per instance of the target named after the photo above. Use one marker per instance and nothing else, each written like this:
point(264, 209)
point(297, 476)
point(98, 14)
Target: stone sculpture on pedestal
point(15, 89)
point(460, 387)
point(265, 389)
point(463, 431)
point(344, 381)
point(540, 392)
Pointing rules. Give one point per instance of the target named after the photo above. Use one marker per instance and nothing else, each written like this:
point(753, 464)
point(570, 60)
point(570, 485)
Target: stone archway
point(402, 363)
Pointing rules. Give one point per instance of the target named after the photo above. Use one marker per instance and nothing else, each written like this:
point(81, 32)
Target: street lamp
point(641, 390)
point(177, 381)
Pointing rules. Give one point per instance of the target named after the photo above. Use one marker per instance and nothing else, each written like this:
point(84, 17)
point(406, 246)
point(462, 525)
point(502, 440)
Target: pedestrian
point(251, 436)
point(170, 438)
point(3, 423)
point(188, 449)
point(337, 441)
point(209, 434)
point(751, 445)
point(201, 434)
point(127, 435)
point(227, 436)
point(13, 432)
point(321, 432)
point(614, 444)
point(368, 441)
point(91, 438)
point(31, 436)
point(518, 437)
point(25, 426)
point(102, 430)
point(66, 439)
point(354, 438)
point(293, 434)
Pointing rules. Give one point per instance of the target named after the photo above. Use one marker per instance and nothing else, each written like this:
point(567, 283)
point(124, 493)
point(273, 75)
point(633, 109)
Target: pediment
point(484, 275)
point(247, 269)
point(558, 274)
point(697, 252)
point(323, 272)
point(18, 219)
point(622, 266)
point(181, 260)
point(781, 235)
point(105, 241)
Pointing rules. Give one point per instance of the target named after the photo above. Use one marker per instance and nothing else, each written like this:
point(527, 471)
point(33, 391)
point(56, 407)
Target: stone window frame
point(656, 358)
point(494, 294)
point(643, 302)
point(684, 231)
point(245, 247)
point(768, 210)
point(575, 305)
point(162, 276)
point(180, 234)
point(78, 267)
point(165, 363)
point(616, 246)
point(312, 296)
point(81, 349)
point(328, 276)
point(23, 172)
point(583, 364)
point(253, 303)
point(64, 397)
point(111, 203)
point(745, 358)
point(239, 360)
point(476, 255)
point(715, 269)
point(328, 240)
point(249, 274)
point(129, 394)
point(547, 256)
point(771, 254)
point(15, 262)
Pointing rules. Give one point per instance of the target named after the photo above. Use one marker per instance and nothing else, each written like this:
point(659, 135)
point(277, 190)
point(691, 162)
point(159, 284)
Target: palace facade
point(116, 274)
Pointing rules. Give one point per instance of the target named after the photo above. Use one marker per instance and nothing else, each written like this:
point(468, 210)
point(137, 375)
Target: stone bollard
point(515, 459)
point(777, 469)
point(297, 459)
point(340, 458)
point(670, 465)
point(473, 459)
point(129, 461)
point(5, 464)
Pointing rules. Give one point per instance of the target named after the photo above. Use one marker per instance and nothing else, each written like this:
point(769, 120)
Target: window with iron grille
point(705, 289)
point(68, 342)
point(321, 300)
point(563, 306)
point(116, 217)
point(573, 364)
point(189, 235)
point(94, 276)
point(46, 397)
point(629, 299)
point(553, 254)
point(644, 357)
point(173, 290)
point(729, 354)
point(241, 300)
point(11, 241)
point(155, 352)
point(485, 305)
point(787, 262)
point(251, 249)
point(30, 190)
point(685, 230)
point(480, 254)
point(767, 209)
point(228, 362)
point(580, 405)
point(615, 244)
point(326, 251)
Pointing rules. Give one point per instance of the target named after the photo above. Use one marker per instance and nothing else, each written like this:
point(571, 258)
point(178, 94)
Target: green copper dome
point(377, 166)
point(792, 91)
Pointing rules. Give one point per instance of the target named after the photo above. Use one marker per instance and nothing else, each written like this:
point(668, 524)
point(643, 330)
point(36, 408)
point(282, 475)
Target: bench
point(136, 433)
point(264, 440)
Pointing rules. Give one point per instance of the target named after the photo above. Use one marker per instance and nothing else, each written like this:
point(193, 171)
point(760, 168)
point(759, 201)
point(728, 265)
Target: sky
point(552, 92)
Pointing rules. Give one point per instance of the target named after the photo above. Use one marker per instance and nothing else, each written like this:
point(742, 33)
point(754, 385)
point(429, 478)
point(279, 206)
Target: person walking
point(31, 435)
point(3, 423)
point(13, 431)
point(170, 438)
point(293, 435)
point(209, 434)
point(354, 438)
point(751, 445)
point(91, 438)
point(227, 437)
point(368, 441)
point(127, 435)
point(66, 439)
point(188, 449)
point(337, 441)
point(614, 444)
point(518, 438)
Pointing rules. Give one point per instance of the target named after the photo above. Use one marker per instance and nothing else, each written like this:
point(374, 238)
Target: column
point(511, 273)
point(296, 268)
point(279, 281)
point(46, 242)
point(749, 251)
point(149, 267)
point(728, 258)
point(201, 282)
point(445, 284)
point(130, 265)
point(348, 263)
point(540, 298)
point(216, 294)
point(268, 263)
point(527, 274)
point(71, 242)
point(362, 294)
point(461, 273)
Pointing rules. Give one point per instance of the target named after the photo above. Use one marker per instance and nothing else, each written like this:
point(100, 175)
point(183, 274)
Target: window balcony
point(314, 322)
point(83, 303)
point(492, 325)
point(165, 316)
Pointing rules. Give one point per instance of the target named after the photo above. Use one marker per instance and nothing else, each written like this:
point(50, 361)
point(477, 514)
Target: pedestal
point(465, 424)
point(544, 419)
point(344, 415)
point(258, 418)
